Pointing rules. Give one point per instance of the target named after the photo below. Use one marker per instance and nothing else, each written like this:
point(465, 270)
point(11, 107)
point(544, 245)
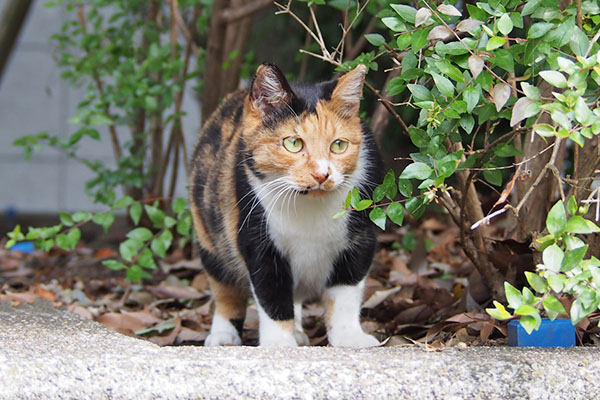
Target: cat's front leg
point(342, 315)
point(272, 287)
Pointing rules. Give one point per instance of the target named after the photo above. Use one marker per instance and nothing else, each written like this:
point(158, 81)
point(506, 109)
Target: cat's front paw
point(353, 339)
point(223, 338)
point(285, 340)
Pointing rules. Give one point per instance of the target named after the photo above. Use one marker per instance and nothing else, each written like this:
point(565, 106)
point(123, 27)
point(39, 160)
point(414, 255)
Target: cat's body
point(270, 169)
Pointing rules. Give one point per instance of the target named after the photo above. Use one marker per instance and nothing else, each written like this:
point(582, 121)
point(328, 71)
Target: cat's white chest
point(310, 239)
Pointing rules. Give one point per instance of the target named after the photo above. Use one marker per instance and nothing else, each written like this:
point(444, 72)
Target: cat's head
point(308, 136)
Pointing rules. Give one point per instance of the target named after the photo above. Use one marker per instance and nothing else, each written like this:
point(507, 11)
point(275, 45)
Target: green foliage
point(564, 271)
point(132, 78)
point(143, 246)
point(463, 69)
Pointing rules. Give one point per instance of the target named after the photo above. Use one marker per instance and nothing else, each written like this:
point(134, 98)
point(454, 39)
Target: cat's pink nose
point(320, 177)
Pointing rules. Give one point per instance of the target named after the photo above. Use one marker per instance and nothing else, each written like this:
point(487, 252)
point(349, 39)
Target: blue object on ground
point(25, 247)
point(557, 333)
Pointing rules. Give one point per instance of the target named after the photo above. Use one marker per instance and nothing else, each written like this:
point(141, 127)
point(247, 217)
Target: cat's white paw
point(223, 338)
point(301, 338)
point(278, 341)
point(353, 339)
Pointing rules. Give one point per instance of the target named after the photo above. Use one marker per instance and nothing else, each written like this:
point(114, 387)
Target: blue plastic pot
point(557, 333)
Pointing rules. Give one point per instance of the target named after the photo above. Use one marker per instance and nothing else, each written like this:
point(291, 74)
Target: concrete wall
point(33, 98)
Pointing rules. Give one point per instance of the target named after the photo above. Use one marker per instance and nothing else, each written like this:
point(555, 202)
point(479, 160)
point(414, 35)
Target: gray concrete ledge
point(46, 353)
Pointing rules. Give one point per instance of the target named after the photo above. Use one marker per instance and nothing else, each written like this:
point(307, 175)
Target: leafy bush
point(498, 86)
point(564, 271)
point(142, 246)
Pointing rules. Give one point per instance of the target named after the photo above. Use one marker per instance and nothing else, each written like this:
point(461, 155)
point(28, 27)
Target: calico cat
point(271, 167)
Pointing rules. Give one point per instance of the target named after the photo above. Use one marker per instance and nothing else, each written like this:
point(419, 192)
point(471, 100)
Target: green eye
point(293, 145)
point(339, 146)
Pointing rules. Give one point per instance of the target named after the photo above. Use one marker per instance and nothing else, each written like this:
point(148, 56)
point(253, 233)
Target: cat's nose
point(320, 177)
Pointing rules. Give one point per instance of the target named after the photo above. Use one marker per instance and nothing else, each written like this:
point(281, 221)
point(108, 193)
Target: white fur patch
point(222, 333)
point(344, 328)
point(304, 231)
point(270, 332)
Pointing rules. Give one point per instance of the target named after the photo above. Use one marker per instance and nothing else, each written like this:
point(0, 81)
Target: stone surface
point(46, 353)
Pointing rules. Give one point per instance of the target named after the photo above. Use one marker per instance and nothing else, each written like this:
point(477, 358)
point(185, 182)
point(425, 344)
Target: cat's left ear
point(348, 92)
point(270, 91)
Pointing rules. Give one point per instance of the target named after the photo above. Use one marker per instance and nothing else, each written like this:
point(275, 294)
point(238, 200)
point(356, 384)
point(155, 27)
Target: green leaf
point(73, 237)
point(579, 225)
point(505, 24)
point(506, 150)
point(160, 328)
point(405, 187)
point(379, 193)
point(105, 220)
point(389, 184)
point(129, 248)
point(157, 216)
point(582, 112)
point(471, 96)
point(494, 43)
point(492, 176)
point(539, 29)
point(530, 6)
point(532, 92)
point(375, 39)
point(146, 259)
point(377, 215)
point(123, 202)
point(536, 282)
point(578, 311)
point(554, 78)
point(450, 70)
point(396, 213)
point(81, 216)
point(419, 137)
point(355, 197)
point(416, 170)
point(335, 216)
point(135, 212)
point(545, 130)
point(65, 219)
point(141, 233)
point(556, 221)
point(526, 309)
point(363, 205)
point(406, 12)
point(513, 296)
point(557, 282)
point(114, 265)
point(63, 242)
point(348, 200)
point(499, 312)
point(100, 119)
point(419, 39)
point(415, 207)
point(553, 307)
point(420, 92)
point(573, 258)
point(531, 322)
point(394, 24)
point(579, 42)
point(443, 84)
point(552, 256)
point(135, 273)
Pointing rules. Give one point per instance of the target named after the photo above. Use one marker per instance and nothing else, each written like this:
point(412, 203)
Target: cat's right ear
point(270, 91)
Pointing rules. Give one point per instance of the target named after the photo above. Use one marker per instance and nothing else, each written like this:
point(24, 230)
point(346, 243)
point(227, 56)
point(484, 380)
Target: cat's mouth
point(317, 192)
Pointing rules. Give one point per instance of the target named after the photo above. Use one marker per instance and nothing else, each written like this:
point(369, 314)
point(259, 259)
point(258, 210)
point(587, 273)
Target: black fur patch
point(270, 273)
point(214, 267)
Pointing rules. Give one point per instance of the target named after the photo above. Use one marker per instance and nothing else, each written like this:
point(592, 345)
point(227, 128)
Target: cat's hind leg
point(230, 311)
point(301, 337)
